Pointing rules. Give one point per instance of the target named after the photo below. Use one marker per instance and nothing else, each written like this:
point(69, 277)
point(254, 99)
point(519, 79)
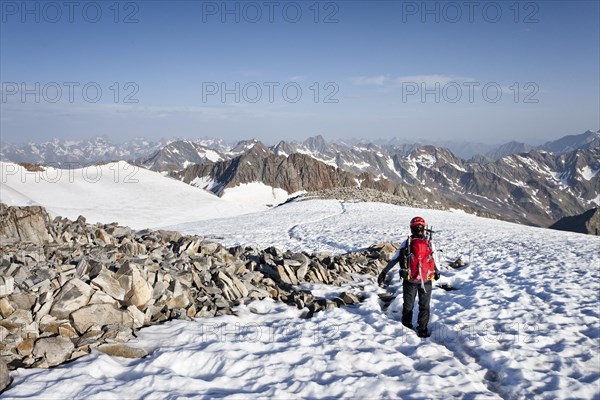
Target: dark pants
point(410, 290)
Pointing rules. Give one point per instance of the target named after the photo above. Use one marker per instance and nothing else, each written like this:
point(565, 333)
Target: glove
point(436, 275)
point(403, 273)
point(381, 278)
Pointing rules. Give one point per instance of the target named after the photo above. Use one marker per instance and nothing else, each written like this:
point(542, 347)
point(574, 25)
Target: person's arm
point(391, 264)
point(404, 269)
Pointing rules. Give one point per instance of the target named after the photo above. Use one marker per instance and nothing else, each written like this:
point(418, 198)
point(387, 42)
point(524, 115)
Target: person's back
point(417, 270)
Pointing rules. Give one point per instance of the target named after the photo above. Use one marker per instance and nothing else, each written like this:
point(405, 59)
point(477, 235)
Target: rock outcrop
point(28, 224)
point(588, 222)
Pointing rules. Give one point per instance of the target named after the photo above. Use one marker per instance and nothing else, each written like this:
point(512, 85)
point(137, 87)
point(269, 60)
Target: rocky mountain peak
point(257, 149)
point(243, 146)
point(316, 144)
point(585, 140)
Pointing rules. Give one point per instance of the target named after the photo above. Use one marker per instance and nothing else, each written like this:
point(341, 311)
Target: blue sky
point(377, 69)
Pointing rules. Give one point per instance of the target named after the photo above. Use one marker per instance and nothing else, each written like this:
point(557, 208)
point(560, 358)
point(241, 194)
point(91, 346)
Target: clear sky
point(479, 71)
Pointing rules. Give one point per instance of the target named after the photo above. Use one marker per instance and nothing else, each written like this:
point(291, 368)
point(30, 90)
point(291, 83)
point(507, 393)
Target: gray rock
point(119, 231)
point(83, 267)
point(20, 317)
point(180, 296)
point(6, 308)
point(169, 236)
point(100, 297)
point(5, 378)
point(26, 224)
point(73, 295)
point(301, 272)
point(137, 316)
point(350, 298)
point(99, 315)
point(109, 285)
point(22, 301)
point(283, 274)
point(7, 285)
point(54, 350)
point(139, 292)
point(104, 237)
point(132, 249)
point(121, 350)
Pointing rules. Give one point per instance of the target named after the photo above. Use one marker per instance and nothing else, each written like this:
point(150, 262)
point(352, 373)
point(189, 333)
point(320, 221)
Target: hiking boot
point(423, 333)
point(409, 326)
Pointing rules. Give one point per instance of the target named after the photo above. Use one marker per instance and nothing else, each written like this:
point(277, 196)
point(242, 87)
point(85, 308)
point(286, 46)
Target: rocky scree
point(67, 287)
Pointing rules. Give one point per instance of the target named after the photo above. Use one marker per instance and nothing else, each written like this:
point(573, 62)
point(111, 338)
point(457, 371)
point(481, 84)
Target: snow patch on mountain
point(205, 182)
point(425, 159)
point(560, 177)
point(588, 173)
point(255, 194)
point(595, 200)
point(392, 167)
point(361, 165)
point(331, 161)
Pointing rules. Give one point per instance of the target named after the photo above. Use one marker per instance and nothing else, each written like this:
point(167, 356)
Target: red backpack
point(420, 260)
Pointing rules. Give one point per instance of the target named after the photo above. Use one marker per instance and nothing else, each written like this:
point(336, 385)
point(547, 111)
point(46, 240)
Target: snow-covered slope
point(523, 323)
point(112, 192)
point(256, 194)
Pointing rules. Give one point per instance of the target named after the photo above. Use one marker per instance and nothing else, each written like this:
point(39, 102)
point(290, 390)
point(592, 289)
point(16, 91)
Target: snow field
point(523, 322)
point(121, 192)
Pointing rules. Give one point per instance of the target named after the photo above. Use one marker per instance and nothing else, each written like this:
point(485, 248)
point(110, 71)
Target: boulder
point(22, 301)
point(132, 249)
point(73, 295)
point(4, 376)
point(5, 308)
point(25, 348)
point(24, 224)
point(7, 285)
point(137, 316)
point(101, 297)
point(109, 285)
point(121, 350)
point(169, 236)
point(349, 298)
point(138, 291)
point(283, 275)
point(179, 297)
point(55, 350)
point(100, 315)
point(20, 317)
point(103, 237)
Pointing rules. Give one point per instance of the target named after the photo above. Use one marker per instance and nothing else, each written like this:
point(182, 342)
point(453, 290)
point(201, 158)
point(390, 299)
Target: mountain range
point(147, 152)
point(79, 153)
point(515, 182)
point(534, 188)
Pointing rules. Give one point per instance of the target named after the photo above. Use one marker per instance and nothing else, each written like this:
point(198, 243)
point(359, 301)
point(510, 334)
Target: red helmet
point(417, 221)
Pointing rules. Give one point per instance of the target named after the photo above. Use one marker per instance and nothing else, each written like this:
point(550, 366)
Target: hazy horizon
point(274, 141)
